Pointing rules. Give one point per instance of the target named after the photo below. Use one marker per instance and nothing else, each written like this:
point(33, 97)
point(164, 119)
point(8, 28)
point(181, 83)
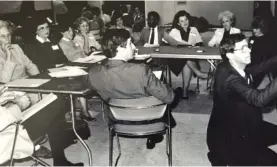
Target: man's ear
point(229, 56)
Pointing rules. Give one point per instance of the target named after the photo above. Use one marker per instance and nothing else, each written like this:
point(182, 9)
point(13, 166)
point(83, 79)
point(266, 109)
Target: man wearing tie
point(152, 35)
point(237, 134)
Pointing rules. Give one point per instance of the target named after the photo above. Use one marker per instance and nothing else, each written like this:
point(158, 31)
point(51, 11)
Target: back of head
point(113, 38)
point(227, 45)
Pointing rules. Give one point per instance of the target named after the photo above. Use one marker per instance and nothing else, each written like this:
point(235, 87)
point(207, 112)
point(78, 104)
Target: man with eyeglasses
point(237, 134)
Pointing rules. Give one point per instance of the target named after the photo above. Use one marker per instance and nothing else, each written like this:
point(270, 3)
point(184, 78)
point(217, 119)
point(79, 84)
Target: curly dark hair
point(177, 16)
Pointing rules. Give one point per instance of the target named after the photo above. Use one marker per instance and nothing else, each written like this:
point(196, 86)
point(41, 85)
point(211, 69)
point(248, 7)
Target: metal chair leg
point(14, 142)
point(166, 142)
point(102, 110)
point(111, 146)
point(40, 161)
point(170, 147)
point(119, 149)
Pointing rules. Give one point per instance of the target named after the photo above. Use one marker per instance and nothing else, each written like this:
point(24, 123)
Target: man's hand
point(22, 101)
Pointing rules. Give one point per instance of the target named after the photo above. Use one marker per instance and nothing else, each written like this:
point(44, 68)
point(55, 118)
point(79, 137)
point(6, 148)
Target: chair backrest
point(139, 109)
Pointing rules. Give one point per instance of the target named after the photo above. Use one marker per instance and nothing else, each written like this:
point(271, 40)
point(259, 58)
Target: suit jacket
point(45, 55)
point(145, 33)
point(218, 35)
point(236, 117)
point(121, 80)
point(20, 66)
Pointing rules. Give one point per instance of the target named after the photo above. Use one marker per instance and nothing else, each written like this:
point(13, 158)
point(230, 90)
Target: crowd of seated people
point(116, 34)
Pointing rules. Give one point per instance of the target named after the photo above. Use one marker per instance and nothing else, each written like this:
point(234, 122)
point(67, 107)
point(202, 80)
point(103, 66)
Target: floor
point(189, 144)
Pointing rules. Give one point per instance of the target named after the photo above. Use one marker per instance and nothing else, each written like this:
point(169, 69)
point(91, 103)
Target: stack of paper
point(69, 72)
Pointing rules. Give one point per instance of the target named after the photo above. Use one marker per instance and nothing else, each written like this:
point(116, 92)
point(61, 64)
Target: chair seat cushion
point(146, 129)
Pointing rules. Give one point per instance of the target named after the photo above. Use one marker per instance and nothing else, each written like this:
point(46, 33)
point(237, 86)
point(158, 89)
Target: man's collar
point(237, 69)
point(154, 27)
point(41, 40)
point(125, 14)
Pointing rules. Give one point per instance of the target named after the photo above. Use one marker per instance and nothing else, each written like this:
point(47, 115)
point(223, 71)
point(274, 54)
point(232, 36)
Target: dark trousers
point(50, 120)
point(248, 154)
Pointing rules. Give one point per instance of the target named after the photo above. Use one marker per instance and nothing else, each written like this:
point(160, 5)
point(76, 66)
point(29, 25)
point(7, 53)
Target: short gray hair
point(228, 14)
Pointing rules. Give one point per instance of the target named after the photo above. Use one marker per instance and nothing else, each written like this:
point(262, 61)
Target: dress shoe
point(43, 152)
point(87, 118)
point(152, 140)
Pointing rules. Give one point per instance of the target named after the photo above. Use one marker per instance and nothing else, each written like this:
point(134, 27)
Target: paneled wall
point(207, 9)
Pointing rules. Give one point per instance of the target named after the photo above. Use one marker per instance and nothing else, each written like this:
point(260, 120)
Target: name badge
point(55, 47)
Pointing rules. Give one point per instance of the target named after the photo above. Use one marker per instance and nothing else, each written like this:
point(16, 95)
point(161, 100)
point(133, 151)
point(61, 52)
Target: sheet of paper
point(158, 74)
point(27, 82)
point(68, 73)
point(38, 106)
point(90, 59)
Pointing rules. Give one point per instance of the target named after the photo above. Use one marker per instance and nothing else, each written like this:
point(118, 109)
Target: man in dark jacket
point(237, 134)
point(116, 78)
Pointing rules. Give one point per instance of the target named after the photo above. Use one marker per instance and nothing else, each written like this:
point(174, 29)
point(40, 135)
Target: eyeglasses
point(244, 49)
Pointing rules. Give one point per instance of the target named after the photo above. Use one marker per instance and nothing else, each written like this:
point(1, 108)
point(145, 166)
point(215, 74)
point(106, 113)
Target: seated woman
point(96, 24)
point(73, 51)
point(262, 49)
point(117, 22)
point(227, 20)
point(185, 34)
point(85, 38)
point(43, 49)
point(14, 64)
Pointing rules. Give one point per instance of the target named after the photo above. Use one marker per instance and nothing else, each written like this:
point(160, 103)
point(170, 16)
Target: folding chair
point(28, 114)
point(139, 117)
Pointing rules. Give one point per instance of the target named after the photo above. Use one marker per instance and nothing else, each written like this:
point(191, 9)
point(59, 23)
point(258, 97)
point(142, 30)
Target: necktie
point(152, 36)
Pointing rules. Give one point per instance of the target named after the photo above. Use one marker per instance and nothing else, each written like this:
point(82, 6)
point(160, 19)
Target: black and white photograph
point(138, 83)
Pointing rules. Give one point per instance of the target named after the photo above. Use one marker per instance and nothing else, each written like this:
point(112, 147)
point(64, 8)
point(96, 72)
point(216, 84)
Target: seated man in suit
point(237, 134)
point(116, 78)
point(153, 35)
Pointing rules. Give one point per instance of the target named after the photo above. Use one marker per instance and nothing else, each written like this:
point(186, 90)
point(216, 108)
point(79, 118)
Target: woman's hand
point(6, 48)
